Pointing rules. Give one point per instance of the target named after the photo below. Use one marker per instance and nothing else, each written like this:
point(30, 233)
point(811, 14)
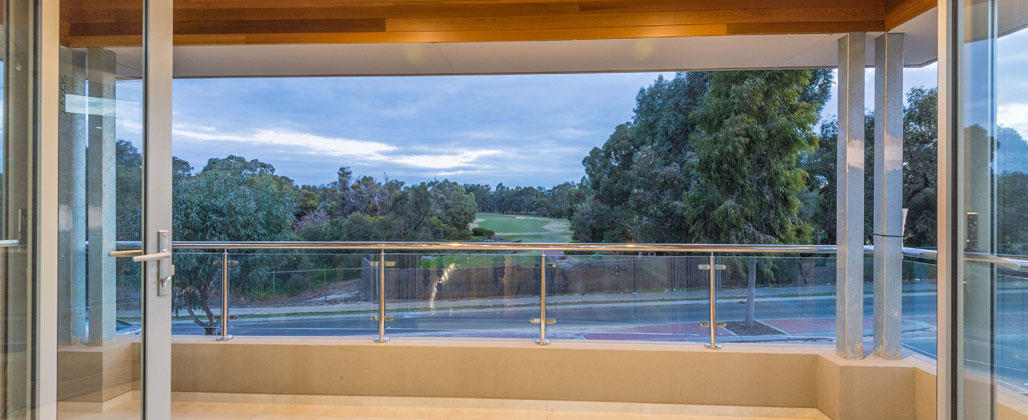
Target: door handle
point(125, 253)
point(165, 270)
point(157, 256)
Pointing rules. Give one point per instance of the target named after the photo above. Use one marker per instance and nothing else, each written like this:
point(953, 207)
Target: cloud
point(444, 160)
point(572, 133)
point(368, 151)
point(1013, 115)
point(309, 143)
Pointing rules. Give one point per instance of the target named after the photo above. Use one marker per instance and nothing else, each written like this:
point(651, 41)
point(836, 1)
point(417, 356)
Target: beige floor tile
point(435, 409)
point(594, 415)
point(180, 407)
point(404, 412)
point(497, 414)
point(312, 410)
point(774, 418)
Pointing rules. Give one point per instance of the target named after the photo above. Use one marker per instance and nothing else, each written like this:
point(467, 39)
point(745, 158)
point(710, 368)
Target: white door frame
point(46, 299)
point(157, 196)
point(156, 336)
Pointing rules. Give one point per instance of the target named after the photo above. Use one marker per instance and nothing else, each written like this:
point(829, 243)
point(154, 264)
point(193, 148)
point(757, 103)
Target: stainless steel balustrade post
point(542, 341)
point(713, 267)
point(381, 298)
point(224, 297)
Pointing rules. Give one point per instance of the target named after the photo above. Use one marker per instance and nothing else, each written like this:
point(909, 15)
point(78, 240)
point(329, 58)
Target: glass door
point(114, 195)
point(984, 213)
point(19, 246)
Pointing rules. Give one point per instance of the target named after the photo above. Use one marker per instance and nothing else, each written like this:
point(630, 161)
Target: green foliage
point(751, 128)
point(389, 211)
point(638, 178)
point(920, 170)
point(637, 184)
point(129, 181)
point(482, 232)
point(231, 199)
point(558, 201)
point(1012, 206)
point(920, 125)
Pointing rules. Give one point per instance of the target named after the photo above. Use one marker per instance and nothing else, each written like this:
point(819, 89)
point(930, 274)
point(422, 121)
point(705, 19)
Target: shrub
point(480, 231)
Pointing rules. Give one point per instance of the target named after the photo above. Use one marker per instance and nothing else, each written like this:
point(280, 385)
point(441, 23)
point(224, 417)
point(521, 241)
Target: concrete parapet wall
point(748, 375)
point(668, 373)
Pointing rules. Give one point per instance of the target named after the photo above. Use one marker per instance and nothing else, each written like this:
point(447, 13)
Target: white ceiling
point(616, 55)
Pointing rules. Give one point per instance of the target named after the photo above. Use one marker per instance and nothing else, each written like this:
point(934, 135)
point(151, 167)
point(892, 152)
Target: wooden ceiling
point(226, 22)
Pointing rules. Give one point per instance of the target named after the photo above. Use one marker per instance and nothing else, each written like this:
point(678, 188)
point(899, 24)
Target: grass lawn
point(525, 228)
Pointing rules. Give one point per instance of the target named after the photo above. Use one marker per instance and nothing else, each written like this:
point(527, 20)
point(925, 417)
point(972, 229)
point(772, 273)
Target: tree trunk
point(751, 291)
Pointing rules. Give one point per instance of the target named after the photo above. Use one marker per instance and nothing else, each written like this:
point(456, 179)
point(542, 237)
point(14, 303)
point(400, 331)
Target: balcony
point(328, 323)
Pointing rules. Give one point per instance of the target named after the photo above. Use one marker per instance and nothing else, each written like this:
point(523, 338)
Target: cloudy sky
point(518, 129)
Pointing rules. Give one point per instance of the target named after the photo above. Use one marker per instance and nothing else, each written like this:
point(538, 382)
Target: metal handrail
point(382, 247)
point(11, 243)
point(1013, 262)
point(502, 246)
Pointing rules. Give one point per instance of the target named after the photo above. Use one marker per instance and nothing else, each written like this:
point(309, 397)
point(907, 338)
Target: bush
point(480, 231)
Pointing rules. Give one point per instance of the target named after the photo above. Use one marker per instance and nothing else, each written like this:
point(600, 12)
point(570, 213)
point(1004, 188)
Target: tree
point(637, 181)
point(637, 175)
point(129, 186)
point(483, 194)
point(1011, 208)
point(751, 129)
point(231, 199)
point(920, 124)
point(920, 170)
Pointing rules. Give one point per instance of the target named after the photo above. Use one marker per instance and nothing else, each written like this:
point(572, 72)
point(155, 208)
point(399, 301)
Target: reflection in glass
point(992, 186)
point(18, 215)
point(99, 196)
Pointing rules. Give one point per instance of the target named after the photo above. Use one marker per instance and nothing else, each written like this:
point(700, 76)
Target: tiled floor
point(440, 410)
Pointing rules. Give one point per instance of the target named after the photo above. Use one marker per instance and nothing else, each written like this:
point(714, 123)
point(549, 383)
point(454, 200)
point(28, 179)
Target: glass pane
point(100, 175)
point(780, 299)
point(992, 182)
point(460, 294)
point(598, 296)
point(1010, 207)
point(18, 352)
point(919, 303)
point(276, 293)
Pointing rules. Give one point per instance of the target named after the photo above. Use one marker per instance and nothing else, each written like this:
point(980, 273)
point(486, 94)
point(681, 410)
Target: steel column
point(888, 196)
point(850, 199)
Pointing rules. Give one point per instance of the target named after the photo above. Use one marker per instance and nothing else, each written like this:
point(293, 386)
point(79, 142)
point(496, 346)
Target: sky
point(515, 129)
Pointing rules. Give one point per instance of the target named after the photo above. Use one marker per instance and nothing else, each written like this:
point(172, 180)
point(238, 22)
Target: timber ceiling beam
point(225, 22)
